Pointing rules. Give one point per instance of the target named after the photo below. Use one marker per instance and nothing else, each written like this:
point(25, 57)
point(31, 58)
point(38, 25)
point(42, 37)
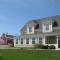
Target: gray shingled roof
point(33, 22)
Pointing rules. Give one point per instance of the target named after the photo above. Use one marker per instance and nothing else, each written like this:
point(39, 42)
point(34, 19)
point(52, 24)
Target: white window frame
point(30, 29)
point(40, 40)
point(33, 40)
point(22, 42)
point(46, 27)
point(27, 40)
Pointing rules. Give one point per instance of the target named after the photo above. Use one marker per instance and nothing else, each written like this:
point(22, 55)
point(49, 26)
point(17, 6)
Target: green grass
point(17, 54)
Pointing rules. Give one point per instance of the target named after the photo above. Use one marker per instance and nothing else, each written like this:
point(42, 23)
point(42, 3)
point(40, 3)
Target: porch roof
point(41, 34)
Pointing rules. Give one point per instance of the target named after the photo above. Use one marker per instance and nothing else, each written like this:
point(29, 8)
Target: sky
point(14, 14)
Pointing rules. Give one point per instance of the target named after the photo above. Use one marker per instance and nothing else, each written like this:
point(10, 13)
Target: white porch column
point(43, 40)
point(24, 41)
point(18, 42)
point(57, 42)
point(37, 40)
point(30, 41)
point(14, 42)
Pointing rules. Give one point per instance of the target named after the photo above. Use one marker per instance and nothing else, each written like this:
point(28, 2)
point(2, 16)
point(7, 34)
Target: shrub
point(11, 45)
point(37, 46)
point(41, 46)
point(46, 47)
point(52, 47)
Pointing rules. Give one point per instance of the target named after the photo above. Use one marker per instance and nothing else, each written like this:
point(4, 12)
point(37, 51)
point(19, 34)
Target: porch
point(53, 40)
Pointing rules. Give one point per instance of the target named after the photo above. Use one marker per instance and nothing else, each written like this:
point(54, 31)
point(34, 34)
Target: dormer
point(55, 24)
point(47, 26)
point(30, 28)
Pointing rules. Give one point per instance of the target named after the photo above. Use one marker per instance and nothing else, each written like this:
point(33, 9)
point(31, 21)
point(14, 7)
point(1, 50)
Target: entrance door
point(58, 42)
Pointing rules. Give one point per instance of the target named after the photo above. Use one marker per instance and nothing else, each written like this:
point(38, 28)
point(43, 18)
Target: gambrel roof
point(39, 21)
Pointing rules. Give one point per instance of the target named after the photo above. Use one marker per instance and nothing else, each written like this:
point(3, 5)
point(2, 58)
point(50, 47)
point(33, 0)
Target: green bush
point(11, 45)
point(42, 46)
point(52, 47)
point(37, 46)
point(46, 47)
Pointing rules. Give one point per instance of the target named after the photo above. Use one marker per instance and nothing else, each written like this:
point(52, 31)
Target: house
point(1, 41)
point(6, 38)
point(44, 31)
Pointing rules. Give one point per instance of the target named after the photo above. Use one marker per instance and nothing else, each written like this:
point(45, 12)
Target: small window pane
point(55, 24)
point(40, 40)
point(16, 40)
point(46, 26)
point(27, 40)
point(21, 40)
point(51, 40)
point(33, 40)
point(30, 29)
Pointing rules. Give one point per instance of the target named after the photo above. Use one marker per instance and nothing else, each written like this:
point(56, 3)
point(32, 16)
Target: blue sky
point(15, 13)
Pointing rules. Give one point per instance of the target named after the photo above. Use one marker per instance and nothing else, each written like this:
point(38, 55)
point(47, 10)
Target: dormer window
point(46, 26)
point(30, 29)
point(55, 24)
point(37, 26)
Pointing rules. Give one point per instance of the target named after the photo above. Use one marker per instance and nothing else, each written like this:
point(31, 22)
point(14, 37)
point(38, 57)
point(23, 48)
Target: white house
point(44, 31)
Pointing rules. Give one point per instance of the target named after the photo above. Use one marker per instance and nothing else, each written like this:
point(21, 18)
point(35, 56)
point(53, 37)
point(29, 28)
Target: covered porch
point(50, 40)
point(53, 39)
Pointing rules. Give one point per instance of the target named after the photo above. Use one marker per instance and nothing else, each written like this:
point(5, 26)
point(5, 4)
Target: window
point(27, 40)
point(21, 40)
point(55, 24)
point(33, 40)
point(37, 26)
point(46, 26)
point(30, 29)
point(51, 40)
point(16, 40)
point(40, 40)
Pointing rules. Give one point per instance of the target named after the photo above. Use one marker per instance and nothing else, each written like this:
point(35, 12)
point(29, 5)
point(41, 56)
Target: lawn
point(17, 54)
